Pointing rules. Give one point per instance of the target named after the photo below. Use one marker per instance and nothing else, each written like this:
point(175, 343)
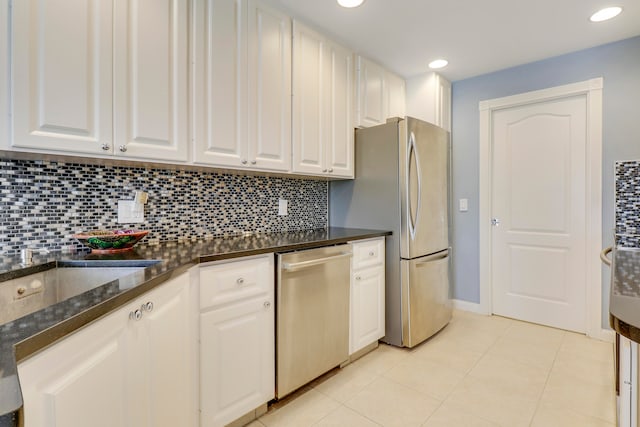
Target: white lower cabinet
point(237, 341)
point(367, 315)
point(120, 371)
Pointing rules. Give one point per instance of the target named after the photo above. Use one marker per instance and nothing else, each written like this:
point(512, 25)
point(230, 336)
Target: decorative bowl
point(102, 241)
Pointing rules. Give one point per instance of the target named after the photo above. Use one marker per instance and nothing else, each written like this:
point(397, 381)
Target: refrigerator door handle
point(434, 257)
point(413, 155)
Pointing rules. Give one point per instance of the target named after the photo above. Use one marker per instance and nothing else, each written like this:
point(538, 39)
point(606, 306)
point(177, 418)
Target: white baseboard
point(472, 307)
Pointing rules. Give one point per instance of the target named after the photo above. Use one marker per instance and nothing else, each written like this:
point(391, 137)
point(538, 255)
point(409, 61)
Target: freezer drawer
point(426, 307)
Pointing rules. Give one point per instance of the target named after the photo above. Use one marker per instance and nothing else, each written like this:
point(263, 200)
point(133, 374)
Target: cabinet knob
point(106, 147)
point(372, 253)
point(253, 162)
point(330, 170)
point(135, 315)
point(324, 170)
point(123, 148)
point(240, 281)
point(244, 162)
point(357, 277)
point(147, 307)
point(267, 304)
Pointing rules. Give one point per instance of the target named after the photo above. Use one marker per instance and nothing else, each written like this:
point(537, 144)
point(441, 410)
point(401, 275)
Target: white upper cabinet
point(62, 75)
point(322, 104)
point(74, 65)
point(380, 94)
point(151, 87)
point(429, 99)
point(242, 90)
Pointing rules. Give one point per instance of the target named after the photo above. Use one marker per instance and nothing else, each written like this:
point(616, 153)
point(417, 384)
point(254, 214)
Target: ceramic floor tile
point(511, 377)
point(393, 405)
point(255, 423)
point(426, 376)
point(449, 416)
point(345, 417)
point(551, 416)
point(304, 411)
point(492, 324)
point(584, 368)
point(577, 344)
point(346, 383)
point(528, 354)
point(384, 358)
point(452, 353)
point(566, 391)
point(536, 334)
point(486, 401)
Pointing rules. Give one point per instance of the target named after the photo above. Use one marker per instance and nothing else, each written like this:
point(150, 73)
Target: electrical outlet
point(283, 207)
point(129, 213)
point(464, 205)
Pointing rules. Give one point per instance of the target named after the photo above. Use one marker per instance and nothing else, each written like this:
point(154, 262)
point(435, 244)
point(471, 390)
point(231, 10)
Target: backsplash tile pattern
point(43, 203)
point(627, 210)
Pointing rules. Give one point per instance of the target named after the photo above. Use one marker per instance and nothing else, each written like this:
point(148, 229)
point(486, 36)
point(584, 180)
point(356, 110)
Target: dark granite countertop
point(25, 336)
point(624, 300)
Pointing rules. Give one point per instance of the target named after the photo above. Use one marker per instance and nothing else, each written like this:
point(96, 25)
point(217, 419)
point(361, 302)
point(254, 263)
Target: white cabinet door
point(237, 360)
point(372, 94)
point(119, 371)
point(367, 324)
point(339, 132)
point(81, 381)
point(165, 343)
point(368, 307)
point(220, 109)
point(429, 99)
point(396, 95)
point(62, 75)
point(322, 122)
point(237, 338)
point(269, 88)
point(309, 101)
point(151, 79)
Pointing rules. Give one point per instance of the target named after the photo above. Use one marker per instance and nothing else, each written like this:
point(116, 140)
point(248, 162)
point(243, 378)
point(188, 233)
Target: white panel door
point(339, 131)
point(219, 93)
point(151, 79)
point(309, 101)
point(62, 78)
point(539, 194)
point(269, 88)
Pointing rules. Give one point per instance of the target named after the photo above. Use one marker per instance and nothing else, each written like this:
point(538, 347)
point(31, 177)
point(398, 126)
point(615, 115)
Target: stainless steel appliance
point(312, 314)
point(402, 184)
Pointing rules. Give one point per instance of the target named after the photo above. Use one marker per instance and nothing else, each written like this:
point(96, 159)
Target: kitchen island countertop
point(27, 335)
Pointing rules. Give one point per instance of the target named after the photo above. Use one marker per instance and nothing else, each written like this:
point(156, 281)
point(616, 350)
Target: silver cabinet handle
point(253, 162)
point(604, 253)
point(372, 253)
point(147, 306)
point(324, 170)
point(240, 281)
point(244, 162)
point(123, 148)
point(330, 170)
point(303, 264)
point(106, 147)
point(267, 304)
point(357, 277)
point(135, 315)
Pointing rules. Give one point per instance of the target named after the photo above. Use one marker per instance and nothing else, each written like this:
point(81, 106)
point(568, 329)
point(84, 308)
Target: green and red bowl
point(102, 241)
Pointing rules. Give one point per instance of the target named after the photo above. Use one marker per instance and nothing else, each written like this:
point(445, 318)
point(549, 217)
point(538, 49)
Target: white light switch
point(464, 205)
point(283, 207)
point(127, 212)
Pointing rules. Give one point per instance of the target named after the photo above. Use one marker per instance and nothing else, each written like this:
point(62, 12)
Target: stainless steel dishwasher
point(312, 314)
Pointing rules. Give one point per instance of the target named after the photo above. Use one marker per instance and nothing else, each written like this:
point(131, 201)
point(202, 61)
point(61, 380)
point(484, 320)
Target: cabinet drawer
point(368, 253)
point(230, 281)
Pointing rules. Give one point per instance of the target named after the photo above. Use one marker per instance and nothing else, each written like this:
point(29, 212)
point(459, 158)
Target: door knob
point(495, 222)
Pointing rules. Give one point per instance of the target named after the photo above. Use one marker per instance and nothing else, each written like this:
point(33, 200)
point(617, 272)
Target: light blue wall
point(618, 63)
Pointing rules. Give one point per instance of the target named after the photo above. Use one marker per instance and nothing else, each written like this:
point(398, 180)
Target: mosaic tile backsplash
point(43, 203)
point(627, 211)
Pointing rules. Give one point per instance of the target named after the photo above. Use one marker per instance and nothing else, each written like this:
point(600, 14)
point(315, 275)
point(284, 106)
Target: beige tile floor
point(478, 371)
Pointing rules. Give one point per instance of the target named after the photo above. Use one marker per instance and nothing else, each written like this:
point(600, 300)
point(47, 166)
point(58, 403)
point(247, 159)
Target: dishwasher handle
point(287, 266)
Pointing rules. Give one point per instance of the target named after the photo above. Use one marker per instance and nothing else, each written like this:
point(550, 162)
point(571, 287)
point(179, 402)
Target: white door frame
point(593, 91)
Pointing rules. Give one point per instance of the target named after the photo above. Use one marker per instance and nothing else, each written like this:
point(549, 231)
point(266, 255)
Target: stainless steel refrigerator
point(402, 185)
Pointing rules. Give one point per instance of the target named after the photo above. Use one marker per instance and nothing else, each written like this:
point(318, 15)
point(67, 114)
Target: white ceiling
point(476, 36)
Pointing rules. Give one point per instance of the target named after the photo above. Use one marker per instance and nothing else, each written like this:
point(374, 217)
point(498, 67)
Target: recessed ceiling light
point(438, 63)
point(350, 3)
point(606, 13)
